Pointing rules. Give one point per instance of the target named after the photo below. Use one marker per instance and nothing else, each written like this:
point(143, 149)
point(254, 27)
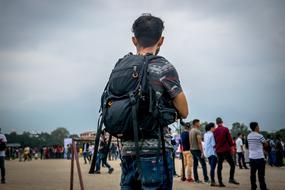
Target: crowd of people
point(27, 153)
point(217, 145)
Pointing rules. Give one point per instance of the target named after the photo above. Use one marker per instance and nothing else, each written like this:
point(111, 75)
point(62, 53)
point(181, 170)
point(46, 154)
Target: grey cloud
point(55, 58)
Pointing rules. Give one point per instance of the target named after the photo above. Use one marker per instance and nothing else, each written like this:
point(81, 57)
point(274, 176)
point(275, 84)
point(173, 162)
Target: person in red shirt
point(234, 151)
point(224, 143)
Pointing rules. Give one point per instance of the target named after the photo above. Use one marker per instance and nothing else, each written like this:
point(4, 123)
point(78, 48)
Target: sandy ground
point(55, 174)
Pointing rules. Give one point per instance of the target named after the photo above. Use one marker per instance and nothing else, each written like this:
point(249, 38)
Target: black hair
point(147, 29)
point(238, 134)
point(269, 136)
point(219, 120)
point(209, 126)
point(253, 125)
point(187, 125)
point(196, 121)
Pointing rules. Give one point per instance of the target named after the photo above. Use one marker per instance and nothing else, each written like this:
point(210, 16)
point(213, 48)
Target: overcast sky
point(56, 56)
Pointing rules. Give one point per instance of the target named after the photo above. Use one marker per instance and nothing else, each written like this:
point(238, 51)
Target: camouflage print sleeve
point(164, 78)
point(170, 81)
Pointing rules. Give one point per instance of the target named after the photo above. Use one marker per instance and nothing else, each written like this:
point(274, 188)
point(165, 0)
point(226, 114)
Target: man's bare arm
point(181, 105)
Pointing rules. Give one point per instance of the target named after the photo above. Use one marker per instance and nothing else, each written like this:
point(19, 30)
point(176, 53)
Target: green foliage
point(239, 128)
point(59, 134)
point(56, 137)
point(203, 126)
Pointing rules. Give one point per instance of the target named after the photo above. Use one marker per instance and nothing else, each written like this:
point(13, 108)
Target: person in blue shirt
point(187, 156)
point(210, 152)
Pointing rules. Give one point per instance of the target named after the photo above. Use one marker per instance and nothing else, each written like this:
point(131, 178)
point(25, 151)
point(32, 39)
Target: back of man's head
point(148, 30)
point(253, 126)
point(219, 121)
point(195, 122)
point(187, 126)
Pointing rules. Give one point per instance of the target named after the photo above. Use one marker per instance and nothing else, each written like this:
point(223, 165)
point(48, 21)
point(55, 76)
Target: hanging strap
point(96, 146)
point(135, 124)
point(164, 156)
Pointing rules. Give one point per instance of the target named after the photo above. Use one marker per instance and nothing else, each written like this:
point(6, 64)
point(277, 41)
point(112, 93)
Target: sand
point(55, 174)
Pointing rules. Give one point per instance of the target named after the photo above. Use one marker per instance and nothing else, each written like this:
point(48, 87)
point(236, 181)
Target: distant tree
point(239, 128)
point(58, 135)
point(203, 126)
point(264, 133)
point(40, 139)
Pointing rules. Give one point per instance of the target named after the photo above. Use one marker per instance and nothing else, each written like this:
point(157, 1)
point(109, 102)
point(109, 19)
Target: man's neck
point(144, 51)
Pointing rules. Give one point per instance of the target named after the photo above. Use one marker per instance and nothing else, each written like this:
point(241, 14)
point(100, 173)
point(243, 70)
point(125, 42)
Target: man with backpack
point(3, 142)
point(143, 96)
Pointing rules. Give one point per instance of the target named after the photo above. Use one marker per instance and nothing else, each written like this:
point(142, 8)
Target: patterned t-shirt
point(165, 82)
point(255, 145)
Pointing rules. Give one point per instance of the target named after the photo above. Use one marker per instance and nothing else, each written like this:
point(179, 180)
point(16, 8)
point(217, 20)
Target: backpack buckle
point(135, 73)
point(132, 98)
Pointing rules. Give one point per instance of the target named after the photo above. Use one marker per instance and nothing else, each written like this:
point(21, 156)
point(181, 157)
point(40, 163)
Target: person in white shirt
point(256, 142)
point(3, 142)
point(210, 151)
point(240, 152)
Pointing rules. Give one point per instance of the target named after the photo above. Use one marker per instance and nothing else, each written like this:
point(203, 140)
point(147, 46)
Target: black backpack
point(130, 108)
point(129, 102)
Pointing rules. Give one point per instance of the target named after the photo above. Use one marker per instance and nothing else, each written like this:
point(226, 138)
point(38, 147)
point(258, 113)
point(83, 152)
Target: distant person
point(3, 145)
point(196, 148)
point(91, 151)
point(210, 152)
point(279, 151)
point(224, 142)
point(113, 150)
point(234, 150)
point(102, 155)
point(187, 156)
point(272, 155)
point(27, 153)
point(175, 148)
point(240, 152)
point(42, 152)
point(256, 142)
point(85, 148)
point(69, 151)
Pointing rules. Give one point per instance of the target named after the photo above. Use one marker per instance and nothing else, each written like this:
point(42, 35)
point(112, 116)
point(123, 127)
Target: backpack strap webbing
point(135, 128)
point(164, 156)
point(96, 146)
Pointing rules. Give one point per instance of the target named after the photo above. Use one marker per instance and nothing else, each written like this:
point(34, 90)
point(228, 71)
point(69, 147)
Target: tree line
point(56, 137)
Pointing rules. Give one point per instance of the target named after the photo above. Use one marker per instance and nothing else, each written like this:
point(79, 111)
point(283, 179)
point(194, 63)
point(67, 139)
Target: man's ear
point(160, 41)
point(135, 41)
